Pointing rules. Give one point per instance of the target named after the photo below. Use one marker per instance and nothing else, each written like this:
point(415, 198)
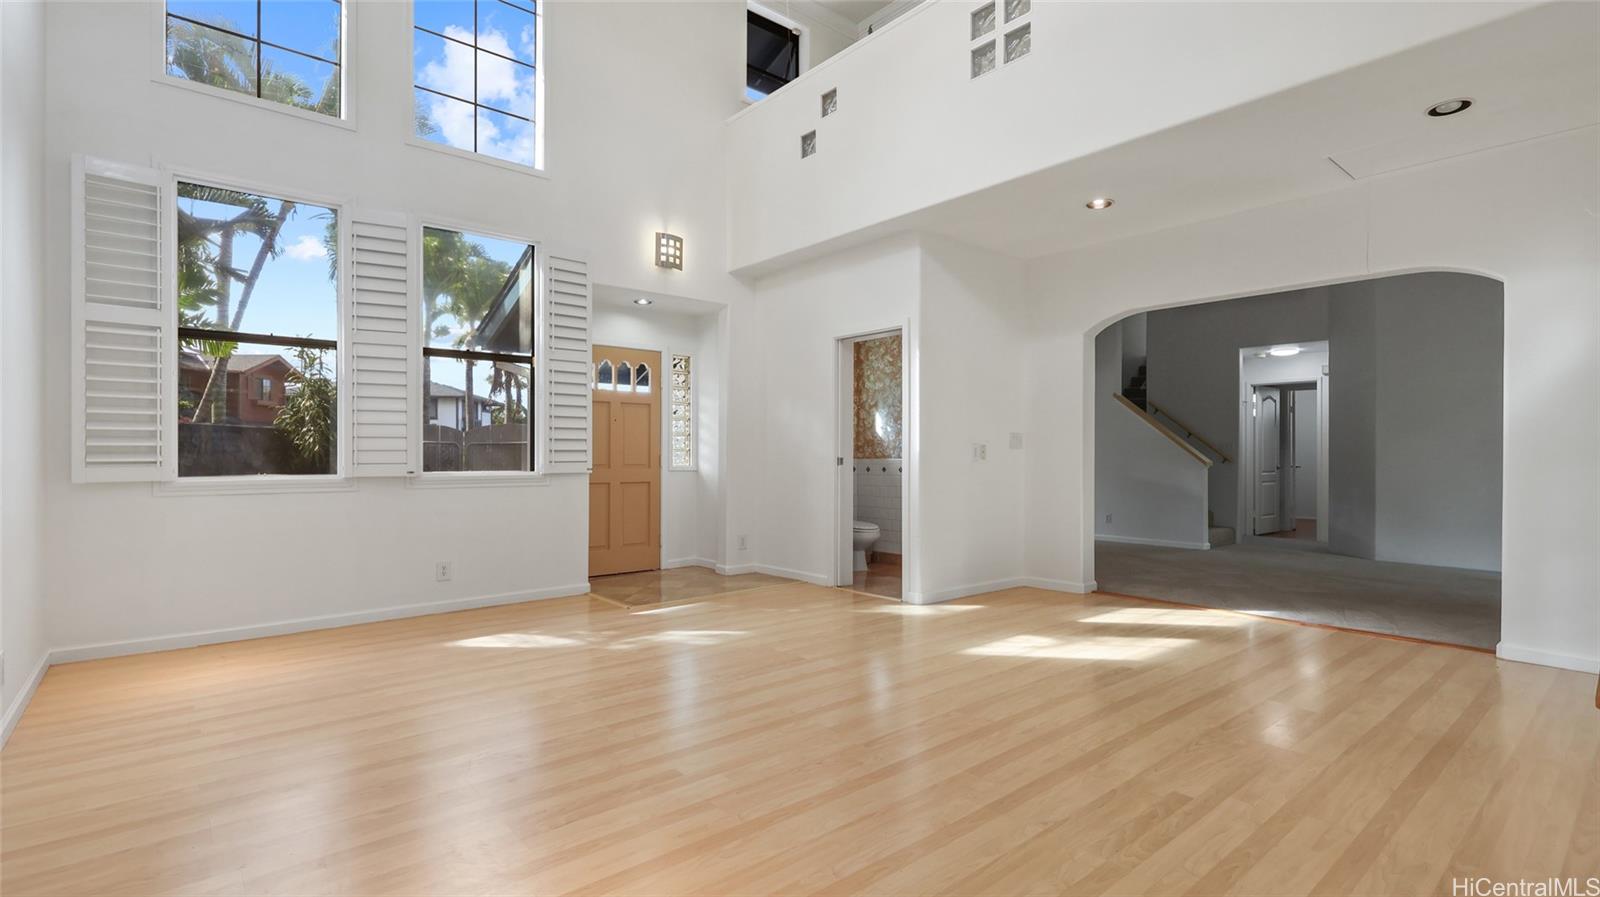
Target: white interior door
point(1289, 462)
point(1268, 444)
point(844, 449)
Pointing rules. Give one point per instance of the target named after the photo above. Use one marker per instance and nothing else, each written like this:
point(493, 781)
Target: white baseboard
point(1547, 659)
point(939, 596)
point(1060, 585)
point(20, 702)
point(304, 624)
point(818, 579)
point(1161, 543)
point(688, 562)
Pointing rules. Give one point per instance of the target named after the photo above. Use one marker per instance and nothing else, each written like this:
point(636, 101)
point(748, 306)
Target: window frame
point(802, 46)
point(540, 166)
point(536, 476)
point(340, 479)
point(344, 119)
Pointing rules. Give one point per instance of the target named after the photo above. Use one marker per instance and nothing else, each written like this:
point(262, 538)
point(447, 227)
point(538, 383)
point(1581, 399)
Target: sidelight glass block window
point(475, 83)
point(681, 399)
point(285, 51)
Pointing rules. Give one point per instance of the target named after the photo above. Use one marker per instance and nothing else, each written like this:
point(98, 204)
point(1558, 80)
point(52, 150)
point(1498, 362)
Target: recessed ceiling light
point(1283, 351)
point(643, 300)
point(1100, 202)
point(1449, 107)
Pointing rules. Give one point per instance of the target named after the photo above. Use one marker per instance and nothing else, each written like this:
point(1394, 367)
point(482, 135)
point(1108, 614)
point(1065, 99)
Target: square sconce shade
point(808, 144)
point(830, 102)
point(983, 58)
point(983, 20)
point(1017, 8)
point(669, 251)
point(1019, 41)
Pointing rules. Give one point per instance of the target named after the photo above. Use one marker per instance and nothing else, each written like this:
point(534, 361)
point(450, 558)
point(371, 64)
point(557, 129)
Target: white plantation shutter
point(566, 361)
point(383, 347)
point(124, 328)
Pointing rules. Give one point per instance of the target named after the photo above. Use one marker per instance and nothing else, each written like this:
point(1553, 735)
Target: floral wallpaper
point(878, 398)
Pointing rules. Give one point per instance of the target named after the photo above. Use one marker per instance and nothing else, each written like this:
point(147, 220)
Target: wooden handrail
point(1163, 429)
point(1190, 430)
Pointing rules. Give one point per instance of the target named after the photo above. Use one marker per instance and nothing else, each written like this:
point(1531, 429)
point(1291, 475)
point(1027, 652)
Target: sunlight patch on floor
point(663, 610)
point(1099, 647)
point(1157, 616)
point(683, 637)
point(517, 640)
point(919, 610)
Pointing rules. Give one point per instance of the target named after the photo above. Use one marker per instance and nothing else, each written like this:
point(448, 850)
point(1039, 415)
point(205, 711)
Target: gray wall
point(1440, 341)
point(1415, 406)
point(1194, 368)
point(1153, 491)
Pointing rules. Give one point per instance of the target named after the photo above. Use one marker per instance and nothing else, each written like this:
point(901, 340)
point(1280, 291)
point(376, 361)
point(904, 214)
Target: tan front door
point(625, 487)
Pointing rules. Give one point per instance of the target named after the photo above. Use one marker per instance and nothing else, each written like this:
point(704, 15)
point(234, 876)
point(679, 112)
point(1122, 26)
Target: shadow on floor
point(1438, 604)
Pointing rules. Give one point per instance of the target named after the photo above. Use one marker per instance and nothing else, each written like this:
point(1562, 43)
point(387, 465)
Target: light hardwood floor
point(797, 739)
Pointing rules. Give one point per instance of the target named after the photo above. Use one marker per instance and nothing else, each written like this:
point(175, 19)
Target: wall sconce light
point(669, 251)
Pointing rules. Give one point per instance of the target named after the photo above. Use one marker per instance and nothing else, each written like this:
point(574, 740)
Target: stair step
point(1221, 535)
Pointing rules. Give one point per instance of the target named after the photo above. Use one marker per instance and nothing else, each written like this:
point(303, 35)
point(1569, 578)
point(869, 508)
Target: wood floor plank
point(793, 739)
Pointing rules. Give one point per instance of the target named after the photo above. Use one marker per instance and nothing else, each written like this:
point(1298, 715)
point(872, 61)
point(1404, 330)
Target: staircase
point(1136, 392)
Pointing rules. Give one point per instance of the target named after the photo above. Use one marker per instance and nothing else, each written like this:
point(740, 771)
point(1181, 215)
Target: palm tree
point(460, 281)
point(207, 274)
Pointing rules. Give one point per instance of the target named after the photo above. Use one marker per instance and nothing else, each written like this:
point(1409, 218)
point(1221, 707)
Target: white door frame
point(844, 452)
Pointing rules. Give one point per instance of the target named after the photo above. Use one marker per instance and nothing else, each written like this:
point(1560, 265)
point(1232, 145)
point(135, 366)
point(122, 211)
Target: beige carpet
point(1441, 604)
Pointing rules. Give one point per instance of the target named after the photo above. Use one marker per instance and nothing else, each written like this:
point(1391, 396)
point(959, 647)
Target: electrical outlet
point(744, 543)
point(1108, 518)
point(1016, 441)
point(442, 571)
point(980, 451)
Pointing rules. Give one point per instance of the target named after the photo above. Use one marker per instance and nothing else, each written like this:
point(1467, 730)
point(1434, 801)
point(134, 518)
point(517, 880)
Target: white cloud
point(306, 249)
point(498, 83)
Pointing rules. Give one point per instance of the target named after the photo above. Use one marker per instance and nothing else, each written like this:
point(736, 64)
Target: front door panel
point(625, 487)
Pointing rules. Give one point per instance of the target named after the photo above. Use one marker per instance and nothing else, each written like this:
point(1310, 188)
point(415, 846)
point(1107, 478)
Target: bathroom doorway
point(872, 464)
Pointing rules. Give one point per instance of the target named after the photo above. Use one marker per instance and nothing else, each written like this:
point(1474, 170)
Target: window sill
point(693, 468)
point(480, 158)
point(343, 123)
point(258, 485)
point(465, 480)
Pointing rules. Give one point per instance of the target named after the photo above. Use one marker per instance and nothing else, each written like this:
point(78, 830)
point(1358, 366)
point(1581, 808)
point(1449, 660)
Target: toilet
point(865, 535)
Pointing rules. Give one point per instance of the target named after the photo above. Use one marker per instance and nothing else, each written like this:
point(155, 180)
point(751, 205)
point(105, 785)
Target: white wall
point(1522, 214)
point(23, 346)
point(973, 316)
point(785, 426)
point(127, 564)
point(689, 498)
point(913, 130)
point(1147, 490)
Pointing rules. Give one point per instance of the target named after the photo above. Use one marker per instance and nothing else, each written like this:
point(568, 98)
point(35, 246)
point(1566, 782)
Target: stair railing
point(1187, 432)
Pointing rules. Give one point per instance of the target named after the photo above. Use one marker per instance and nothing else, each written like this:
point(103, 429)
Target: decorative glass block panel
point(983, 20)
point(808, 144)
point(1018, 42)
point(682, 414)
point(1016, 9)
point(830, 102)
point(983, 59)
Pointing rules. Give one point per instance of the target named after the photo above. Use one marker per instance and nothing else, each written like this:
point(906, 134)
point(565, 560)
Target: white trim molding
point(689, 562)
point(1163, 543)
point(1521, 654)
point(306, 624)
point(19, 704)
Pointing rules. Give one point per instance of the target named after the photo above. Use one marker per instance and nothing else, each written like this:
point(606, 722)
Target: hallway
point(1441, 604)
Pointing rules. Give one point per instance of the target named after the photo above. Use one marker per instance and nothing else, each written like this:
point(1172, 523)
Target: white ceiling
point(857, 11)
point(1531, 74)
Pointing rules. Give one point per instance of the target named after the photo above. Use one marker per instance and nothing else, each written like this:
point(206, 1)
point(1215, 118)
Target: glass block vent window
point(682, 401)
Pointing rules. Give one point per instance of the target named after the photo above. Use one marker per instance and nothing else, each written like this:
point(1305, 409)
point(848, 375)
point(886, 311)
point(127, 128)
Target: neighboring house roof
point(445, 391)
point(237, 363)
